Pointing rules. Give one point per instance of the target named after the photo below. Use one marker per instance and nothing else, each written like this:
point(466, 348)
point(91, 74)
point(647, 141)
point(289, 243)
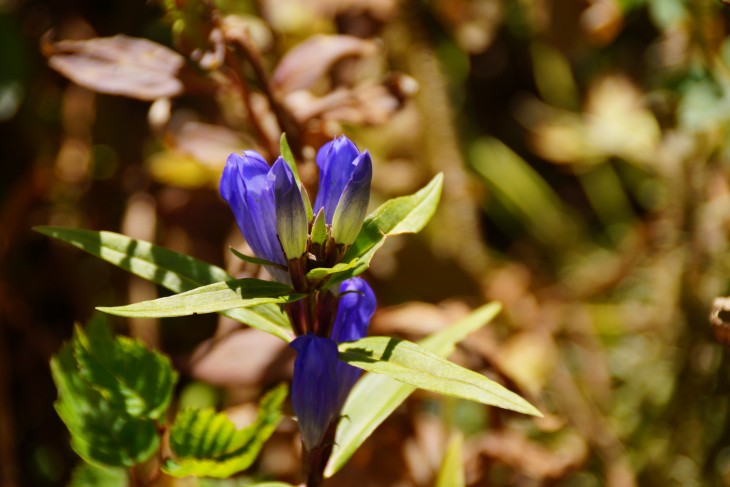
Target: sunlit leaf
point(206, 443)
point(376, 396)
point(87, 475)
point(212, 298)
point(99, 433)
point(172, 270)
point(451, 473)
point(130, 377)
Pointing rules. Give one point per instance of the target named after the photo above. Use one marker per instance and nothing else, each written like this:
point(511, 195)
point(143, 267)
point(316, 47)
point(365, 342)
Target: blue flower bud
point(352, 207)
point(291, 215)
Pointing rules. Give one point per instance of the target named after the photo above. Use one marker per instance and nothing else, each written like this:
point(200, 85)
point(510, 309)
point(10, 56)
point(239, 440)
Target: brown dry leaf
point(417, 318)
point(119, 65)
point(308, 61)
point(531, 458)
point(245, 357)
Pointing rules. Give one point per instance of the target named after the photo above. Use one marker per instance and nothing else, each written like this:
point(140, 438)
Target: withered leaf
point(308, 61)
point(119, 65)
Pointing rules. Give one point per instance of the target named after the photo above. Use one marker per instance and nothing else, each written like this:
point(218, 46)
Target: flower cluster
point(274, 213)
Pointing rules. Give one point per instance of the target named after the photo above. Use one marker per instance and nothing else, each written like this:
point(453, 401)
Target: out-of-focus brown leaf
point(119, 65)
point(720, 320)
point(245, 357)
point(308, 61)
point(417, 318)
point(367, 103)
point(531, 458)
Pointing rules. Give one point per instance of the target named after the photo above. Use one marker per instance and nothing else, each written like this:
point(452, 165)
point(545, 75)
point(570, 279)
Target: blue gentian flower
point(247, 185)
point(321, 381)
point(344, 187)
point(271, 211)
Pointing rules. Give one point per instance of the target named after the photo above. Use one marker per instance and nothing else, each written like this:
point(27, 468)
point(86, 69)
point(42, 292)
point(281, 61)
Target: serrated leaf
point(129, 376)
point(207, 444)
point(212, 298)
point(414, 365)
point(376, 396)
point(87, 475)
point(100, 434)
point(451, 473)
point(172, 270)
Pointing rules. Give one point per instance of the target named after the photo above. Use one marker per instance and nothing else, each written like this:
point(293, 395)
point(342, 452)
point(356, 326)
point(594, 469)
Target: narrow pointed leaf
point(321, 272)
point(414, 365)
point(376, 396)
point(255, 260)
point(451, 473)
point(131, 377)
point(288, 156)
point(172, 270)
point(208, 444)
point(209, 299)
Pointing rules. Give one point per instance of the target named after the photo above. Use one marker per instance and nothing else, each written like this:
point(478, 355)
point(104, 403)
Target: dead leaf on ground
point(119, 65)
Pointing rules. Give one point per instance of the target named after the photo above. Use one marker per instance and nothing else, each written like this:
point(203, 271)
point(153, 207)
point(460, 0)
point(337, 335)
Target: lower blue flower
point(314, 391)
point(321, 381)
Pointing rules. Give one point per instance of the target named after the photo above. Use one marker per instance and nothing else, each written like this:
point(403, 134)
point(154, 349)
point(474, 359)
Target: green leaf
point(255, 260)
point(376, 396)
point(320, 273)
point(88, 475)
point(130, 377)
point(172, 270)
point(100, 434)
point(288, 157)
point(212, 298)
point(451, 473)
point(412, 364)
point(207, 444)
point(405, 214)
point(409, 214)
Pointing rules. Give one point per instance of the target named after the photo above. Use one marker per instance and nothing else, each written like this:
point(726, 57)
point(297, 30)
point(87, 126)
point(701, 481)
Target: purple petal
point(354, 311)
point(315, 389)
point(353, 205)
point(335, 170)
point(250, 194)
point(291, 217)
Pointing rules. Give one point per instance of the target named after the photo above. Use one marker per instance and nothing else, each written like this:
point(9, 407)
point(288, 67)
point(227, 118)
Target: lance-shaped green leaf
point(100, 434)
point(206, 443)
point(412, 364)
point(212, 298)
point(172, 270)
point(451, 473)
point(319, 273)
point(255, 260)
point(376, 396)
point(405, 214)
point(288, 157)
point(131, 377)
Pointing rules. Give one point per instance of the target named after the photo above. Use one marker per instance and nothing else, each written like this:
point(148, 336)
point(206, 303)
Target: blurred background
point(586, 159)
